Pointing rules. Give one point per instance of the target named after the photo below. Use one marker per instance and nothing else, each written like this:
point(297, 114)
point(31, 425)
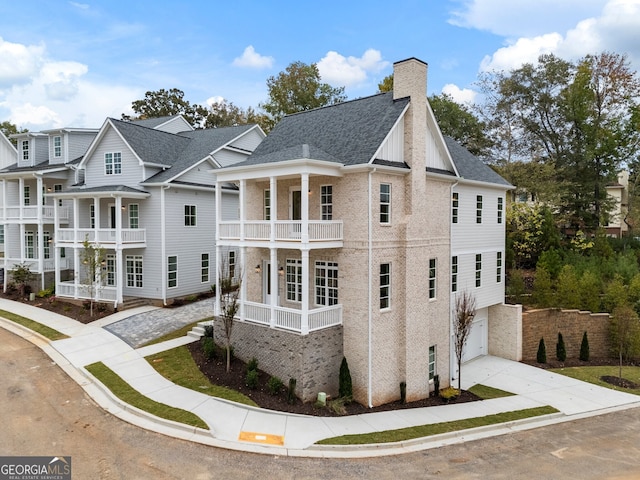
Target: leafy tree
point(227, 114)
point(230, 282)
point(530, 231)
point(8, 128)
point(515, 285)
point(584, 348)
point(93, 260)
point(625, 334)
point(551, 260)
point(21, 274)
point(458, 122)
point(297, 89)
point(568, 291)
point(615, 294)
point(465, 311)
point(162, 103)
point(590, 291)
point(534, 177)
point(542, 288)
point(386, 85)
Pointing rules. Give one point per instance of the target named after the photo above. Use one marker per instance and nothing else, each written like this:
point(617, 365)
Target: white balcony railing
point(102, 236)
point(71, 290)
point(285, 230)
point(34, 264)
point(291, 319)
point(31, 213)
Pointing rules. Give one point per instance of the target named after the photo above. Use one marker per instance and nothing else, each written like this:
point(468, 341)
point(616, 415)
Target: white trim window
point(29, 245)
point(172, 271)
point(266, 204)
point(58, 188)
point(326, 283)
point(454, 273)
point(478, 208)
point(385, 286)
point(92, 215)
point(26, 195)
point(134, 215)
point(25, 150)
point(134, 271)
point(432, 278)
point(499, 267)
point(111, 270)
point(454, 207)
point(1, 234)
point(293, 279)
point(57, 146)
point(204, 268)
point(47, 239)
point(189, 215)
point(500, 209)
point(478, 270)
point(326, 202)
point(112, 163)
point(385, 203)
point(432, 362)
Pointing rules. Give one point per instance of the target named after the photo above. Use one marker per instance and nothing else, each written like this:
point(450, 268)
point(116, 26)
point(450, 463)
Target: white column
point(304, 200)
point(304, 328)
point(76, 271)
point(40, 231)
point(218, 214)
point(76, 219)
point(243, 283)
point(273, 279)
point(273, 199)
point(120, 277)
point(96, 216)
point(54, 245)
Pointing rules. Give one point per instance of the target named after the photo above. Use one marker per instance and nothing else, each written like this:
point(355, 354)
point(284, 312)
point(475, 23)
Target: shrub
point(436, 385)
point(274, 385)
point(291, 391)
point(208, 331)
point(561, 351)
point(252, 364)
point(541, 357)
point(252, 379)
point(345, 388)
point(584, 348)
point(403, 392)
point(208, 348)
point(101, 307)
point(449, 393)
point(86, 304)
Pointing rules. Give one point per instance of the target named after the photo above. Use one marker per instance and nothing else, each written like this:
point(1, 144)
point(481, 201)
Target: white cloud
point(460, 95)
point(615, 30)
point(28, 114)
point(19, 63)
point(60, 79)
point(336, 69)
point(252, 59)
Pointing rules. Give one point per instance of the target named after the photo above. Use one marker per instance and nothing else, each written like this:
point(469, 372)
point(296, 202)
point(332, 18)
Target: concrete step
point(198, 330)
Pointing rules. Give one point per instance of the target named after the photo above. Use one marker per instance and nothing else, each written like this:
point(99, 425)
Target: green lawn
point(177, 365)
point(593, 374)
point(176, 333)
point(128, 394)
point(49, 333)
point(487, 393)
point(404, 434)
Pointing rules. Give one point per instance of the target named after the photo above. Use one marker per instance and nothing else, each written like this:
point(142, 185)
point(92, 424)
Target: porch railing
point(69, 290)
point(291, 319)
point(285, 230)
point(31, 213)
point(103, 236)
point(48, 264)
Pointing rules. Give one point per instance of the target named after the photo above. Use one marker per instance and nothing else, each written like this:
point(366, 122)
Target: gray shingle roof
point(348, 133)
point(154, 122)
point(471, 167)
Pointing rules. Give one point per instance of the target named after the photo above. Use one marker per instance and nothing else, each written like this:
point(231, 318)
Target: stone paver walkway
point(141, 328)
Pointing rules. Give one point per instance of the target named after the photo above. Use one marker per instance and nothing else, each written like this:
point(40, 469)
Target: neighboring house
point(618, 192)
point(43, 163)
point(345, 244)
point(8, 155)
point(141, 191)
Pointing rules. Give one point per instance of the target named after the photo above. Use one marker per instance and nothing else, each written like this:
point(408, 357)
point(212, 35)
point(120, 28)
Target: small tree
point(345, 387)
point(584, 348)
point(541, 357)
point(542, 288)
point(22, 275)
point(561, 351)
point(230, 281)
point(93, 260)
point(625, 334)
point(465, 311)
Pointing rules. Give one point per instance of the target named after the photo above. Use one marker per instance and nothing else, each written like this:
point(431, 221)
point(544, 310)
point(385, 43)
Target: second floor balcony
point(106, 237)
point(295, 231)
point(32, 213)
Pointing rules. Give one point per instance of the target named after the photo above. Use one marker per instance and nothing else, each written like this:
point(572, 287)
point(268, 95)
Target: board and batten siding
point(95, 175)
point(392, 148)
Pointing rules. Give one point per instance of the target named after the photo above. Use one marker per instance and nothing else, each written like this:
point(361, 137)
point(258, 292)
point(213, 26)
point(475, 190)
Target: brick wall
point(313, 359)
point(546, 323)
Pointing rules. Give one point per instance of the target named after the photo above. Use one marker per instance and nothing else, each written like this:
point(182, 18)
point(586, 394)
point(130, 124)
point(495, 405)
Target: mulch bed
point(215, 371)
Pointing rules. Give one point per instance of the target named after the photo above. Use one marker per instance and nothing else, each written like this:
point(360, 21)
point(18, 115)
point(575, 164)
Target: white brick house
point(345, 238)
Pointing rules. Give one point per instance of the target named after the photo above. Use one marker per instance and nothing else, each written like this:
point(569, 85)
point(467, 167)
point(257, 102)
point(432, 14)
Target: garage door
point(477, 341)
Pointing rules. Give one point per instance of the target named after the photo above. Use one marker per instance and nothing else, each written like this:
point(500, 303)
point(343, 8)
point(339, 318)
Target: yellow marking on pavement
point(261, 438)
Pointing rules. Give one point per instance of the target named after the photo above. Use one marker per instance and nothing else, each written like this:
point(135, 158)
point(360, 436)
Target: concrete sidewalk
point(246, 428)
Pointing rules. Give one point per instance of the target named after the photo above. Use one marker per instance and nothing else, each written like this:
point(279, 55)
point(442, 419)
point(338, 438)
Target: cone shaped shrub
point(584, 348)
point(561, 351)
point(542, 352)
point(345, 389)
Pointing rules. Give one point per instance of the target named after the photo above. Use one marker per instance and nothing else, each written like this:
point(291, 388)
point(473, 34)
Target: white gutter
point(370, 309)
point(452, 362)
point(163, 244)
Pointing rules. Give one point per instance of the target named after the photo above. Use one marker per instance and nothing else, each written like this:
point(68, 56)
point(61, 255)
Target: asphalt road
point(44, 412)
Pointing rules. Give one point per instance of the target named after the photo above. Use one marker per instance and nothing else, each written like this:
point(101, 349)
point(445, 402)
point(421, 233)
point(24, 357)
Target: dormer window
point(113, 163)
point(25, 150)
point(57, 146)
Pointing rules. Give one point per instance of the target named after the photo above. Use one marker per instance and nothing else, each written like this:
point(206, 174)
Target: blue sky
point(74, 63)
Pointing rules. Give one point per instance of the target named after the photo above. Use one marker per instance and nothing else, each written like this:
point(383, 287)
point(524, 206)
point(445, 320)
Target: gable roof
point(471, 167)
point(347, 133)
point(156, 121)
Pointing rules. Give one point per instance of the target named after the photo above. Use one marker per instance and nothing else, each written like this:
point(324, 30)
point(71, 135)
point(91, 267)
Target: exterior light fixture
point(258, 268)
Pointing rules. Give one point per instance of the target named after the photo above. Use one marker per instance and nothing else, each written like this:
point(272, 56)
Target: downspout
point(370, 309)
point(452, 363)
point(163, 242)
